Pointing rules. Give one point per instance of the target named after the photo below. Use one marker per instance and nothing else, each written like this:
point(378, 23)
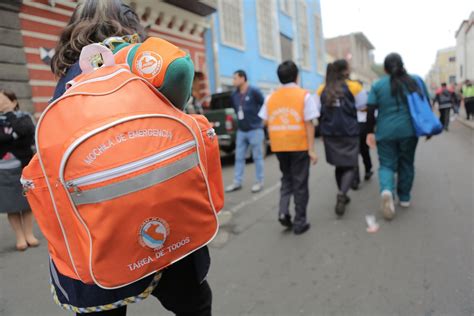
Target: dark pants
point(444, 117)
point(345, 178)
point(178, 291)
point(469, 106)
point(364, 151)
point(294, 181)
point(456, 107)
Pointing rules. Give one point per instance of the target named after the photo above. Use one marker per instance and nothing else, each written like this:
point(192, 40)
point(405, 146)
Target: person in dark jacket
point(247, 101)
point(17, 132)
point(181, 288)
point(364, 149)
point(446, 100)
point(339, 100)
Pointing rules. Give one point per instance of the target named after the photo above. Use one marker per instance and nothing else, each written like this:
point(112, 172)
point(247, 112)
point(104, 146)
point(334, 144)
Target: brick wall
point(39, 25)
point(14, 73)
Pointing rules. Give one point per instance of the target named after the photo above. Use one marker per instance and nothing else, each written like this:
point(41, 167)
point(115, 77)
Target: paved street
point(422, 263)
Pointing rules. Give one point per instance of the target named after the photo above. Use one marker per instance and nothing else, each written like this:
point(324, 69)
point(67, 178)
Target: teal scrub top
point(393, 119)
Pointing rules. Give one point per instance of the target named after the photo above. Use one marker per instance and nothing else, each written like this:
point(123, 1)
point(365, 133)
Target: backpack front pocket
point(144, 214)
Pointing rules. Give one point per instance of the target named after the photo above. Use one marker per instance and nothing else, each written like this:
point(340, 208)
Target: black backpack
point(339, 119)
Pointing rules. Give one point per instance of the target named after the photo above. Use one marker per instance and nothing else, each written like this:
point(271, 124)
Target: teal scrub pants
point(397, 156)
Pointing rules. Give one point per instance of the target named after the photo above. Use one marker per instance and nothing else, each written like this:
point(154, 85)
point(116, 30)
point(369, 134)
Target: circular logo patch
point(153, 233)
point(148, 64)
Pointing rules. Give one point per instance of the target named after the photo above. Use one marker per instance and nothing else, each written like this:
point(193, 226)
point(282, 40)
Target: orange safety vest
point(286, 126)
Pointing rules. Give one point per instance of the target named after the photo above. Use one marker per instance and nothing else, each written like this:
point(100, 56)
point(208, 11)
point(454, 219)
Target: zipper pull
point(27, 185)
point(75, 189)
point(211, 133)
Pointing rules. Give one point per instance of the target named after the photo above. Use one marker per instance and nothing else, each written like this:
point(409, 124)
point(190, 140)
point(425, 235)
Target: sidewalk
point(462, 119)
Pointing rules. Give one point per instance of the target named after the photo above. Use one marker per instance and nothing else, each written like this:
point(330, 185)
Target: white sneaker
point(257, 187)
point(388, 208)
point(405, 204)
point(233, 187)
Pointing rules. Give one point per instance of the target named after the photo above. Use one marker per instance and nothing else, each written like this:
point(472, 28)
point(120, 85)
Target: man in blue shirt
point(247, 101)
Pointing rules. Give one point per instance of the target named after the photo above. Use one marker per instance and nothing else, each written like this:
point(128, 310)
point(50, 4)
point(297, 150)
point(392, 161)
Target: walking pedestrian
point(17, 132)
point(182, 287)
point(289, 113)
point(364, 149)
point(395, 135)
point(247, 101)
point(446, 100)
point(339, 100)
point(457, 99)
point(468, 98)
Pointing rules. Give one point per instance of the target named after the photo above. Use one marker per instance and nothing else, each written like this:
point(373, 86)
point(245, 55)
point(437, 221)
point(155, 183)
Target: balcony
point(199, 7)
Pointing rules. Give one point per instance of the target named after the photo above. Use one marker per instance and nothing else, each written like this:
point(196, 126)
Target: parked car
point(222, 116)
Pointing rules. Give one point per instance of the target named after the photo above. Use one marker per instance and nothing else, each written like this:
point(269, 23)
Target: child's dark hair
point(11, 96)
point(241, 73)
point(287, 72)
point(335, 80)
point(92, 22)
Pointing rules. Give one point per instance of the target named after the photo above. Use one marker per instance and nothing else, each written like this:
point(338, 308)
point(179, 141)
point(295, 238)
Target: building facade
point(444, 69)
point(465, 50)
point(357, 50)
point(32, 28)
point(14, 73)
point(257, 35)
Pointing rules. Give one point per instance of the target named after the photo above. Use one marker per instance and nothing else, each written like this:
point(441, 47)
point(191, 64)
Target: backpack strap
point(420, 85)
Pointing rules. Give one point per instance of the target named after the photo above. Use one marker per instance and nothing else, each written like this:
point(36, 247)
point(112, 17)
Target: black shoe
point(285, 220)
point(301, 229)
point(348, 200)
point(355, 185)
point(368, 175)
point(342, 201)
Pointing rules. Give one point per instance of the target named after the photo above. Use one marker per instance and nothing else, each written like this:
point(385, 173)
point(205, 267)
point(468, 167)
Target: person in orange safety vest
point(288, 114)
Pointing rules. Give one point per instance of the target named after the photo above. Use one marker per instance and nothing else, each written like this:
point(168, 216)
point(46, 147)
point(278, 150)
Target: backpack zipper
point(27, 185)
point(129, 167)
point(211, 133)
point(101, 78)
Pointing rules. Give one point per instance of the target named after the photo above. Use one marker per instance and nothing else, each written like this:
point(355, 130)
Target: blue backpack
point(425, 122)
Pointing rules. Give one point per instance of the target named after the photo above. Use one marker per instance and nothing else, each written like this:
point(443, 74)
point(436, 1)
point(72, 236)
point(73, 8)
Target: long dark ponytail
point(336, 75)
point(400, 80)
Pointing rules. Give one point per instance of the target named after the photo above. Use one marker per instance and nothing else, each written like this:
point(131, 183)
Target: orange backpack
point(123, 184)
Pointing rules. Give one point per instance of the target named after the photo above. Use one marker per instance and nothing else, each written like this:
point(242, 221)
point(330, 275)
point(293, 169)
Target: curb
point(465, 123)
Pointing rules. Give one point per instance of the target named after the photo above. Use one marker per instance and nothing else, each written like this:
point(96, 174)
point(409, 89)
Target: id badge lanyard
point(240, 112)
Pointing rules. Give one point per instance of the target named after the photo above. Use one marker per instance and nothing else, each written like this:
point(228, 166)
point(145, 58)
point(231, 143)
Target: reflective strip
point(55, 276)
point(137, 183)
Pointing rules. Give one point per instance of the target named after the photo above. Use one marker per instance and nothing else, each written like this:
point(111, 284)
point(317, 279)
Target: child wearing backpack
point(339, 99)
point(97, 266)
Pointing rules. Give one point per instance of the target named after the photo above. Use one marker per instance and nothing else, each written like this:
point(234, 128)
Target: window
point(266, 28)
point(452, 79)
point(303, 36)
point(231, 23)
point(452, 59)
point(318, 43)
point(286, 48)
point(285, 7)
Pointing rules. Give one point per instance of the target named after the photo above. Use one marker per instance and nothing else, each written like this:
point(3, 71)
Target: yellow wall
point(444, 66)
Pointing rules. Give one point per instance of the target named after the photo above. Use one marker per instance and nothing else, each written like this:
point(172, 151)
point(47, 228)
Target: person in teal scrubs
point(395, 136)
